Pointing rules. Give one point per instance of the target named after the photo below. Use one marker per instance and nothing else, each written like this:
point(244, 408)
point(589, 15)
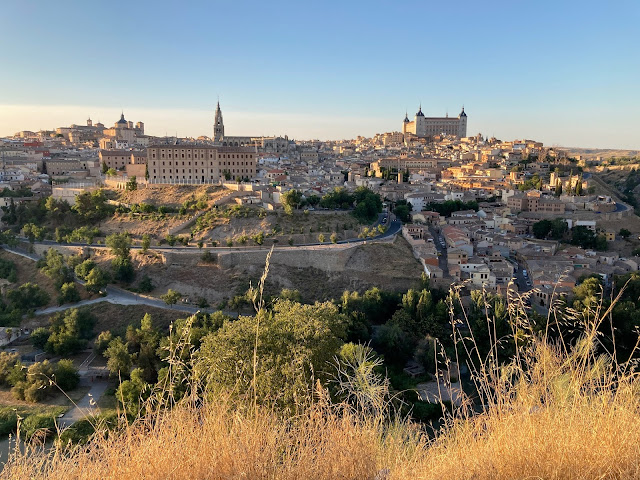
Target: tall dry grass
point(557, 411)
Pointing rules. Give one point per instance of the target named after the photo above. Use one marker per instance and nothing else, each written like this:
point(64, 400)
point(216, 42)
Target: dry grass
point(555, 412)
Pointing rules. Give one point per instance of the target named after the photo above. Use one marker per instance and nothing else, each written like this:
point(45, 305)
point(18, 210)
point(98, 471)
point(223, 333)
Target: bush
point(79, 433)
point(202, 302)
point(39, 337)
point(123, 270)
point(8, 270)
point(8, 421)
point(44, 425)
point(171, 240)
point(27, 296)
point(84, 269)
point(208, 257)
point(146, 284)
point(68, 294)
point(7, 363)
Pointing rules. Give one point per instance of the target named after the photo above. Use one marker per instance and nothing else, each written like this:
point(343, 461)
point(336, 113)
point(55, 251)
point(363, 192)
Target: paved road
point(443, 263)
point(521, 280)
point(118, 296)
point(88, 405)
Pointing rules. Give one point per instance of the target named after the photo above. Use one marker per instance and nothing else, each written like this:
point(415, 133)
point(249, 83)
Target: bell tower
point(218, 126)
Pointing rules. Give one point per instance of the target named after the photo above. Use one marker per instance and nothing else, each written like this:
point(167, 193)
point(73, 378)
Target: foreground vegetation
point(261, 397)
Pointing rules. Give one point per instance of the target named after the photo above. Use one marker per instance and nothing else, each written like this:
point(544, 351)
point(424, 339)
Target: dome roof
point(406, 118)
point(122, 121)
point(420, 114)
point(462, 114)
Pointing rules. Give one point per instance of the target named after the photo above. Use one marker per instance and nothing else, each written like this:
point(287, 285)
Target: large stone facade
point(424, 127)
point(199, 164)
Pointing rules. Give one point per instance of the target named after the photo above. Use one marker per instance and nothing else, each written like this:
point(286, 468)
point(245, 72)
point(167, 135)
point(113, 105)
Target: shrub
point(44, 425)
point(27, 296)
point(123, 270)
point(8, 421)
point(84, 269)
point(208, 257)
point(146, 284)
point(68, 294)
point(39, 337)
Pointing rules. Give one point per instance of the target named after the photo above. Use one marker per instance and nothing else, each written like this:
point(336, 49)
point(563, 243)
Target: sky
point(562, 72)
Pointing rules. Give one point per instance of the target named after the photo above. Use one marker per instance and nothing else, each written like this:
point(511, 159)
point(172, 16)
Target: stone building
point(423, 126)
point(198, 164)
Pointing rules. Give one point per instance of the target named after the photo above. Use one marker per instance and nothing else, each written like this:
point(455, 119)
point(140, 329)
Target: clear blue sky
point(564, 72)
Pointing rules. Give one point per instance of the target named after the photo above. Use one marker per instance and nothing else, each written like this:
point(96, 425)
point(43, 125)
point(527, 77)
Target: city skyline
point(558, 73)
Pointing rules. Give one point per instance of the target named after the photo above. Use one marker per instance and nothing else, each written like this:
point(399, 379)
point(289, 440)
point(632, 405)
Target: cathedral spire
point(218, 125)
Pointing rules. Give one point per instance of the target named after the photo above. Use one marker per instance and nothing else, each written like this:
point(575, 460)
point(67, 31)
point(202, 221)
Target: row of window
point(233, 170)
point(226, 164)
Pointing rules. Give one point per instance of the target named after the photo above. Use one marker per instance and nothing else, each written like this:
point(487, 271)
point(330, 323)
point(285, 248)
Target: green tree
point(295, 345)
point(7, 362)
point(321, 238)
point(146, 242)
point(66, 375)
point(83, 269)
point(259, 238)
point(624, 233)
point(28, 296)
point(120, 244)
point(402, 212)
point(171, 297)
point(69, 331)
point(39, 337)
point(132, 393)
point(33, 232)
point(92, 206)
point(56, 268)
point(68, 294)
point(132, 184)
point(96, 280)
point(146, 284)
point(102, 341)
point(123, 270)
point(119, 360)
point(291, 200)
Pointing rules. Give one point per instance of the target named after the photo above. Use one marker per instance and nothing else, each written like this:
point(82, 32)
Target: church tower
point(218, 126)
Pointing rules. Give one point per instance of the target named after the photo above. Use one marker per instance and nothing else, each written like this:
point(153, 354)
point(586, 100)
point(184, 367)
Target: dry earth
point(390, 266)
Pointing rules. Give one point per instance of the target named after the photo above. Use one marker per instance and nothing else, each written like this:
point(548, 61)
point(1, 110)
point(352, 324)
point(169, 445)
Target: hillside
point(318, 275)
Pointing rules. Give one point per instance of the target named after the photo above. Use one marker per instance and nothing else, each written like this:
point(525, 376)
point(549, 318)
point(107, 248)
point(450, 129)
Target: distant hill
point(592, 153)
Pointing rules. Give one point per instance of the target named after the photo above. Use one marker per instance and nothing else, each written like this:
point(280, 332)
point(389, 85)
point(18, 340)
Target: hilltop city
point(472, 208)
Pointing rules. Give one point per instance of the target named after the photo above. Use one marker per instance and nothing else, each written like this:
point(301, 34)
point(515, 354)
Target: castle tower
point(421, 124)
point(462, 124)
point(218, 126)
point(405, 123)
